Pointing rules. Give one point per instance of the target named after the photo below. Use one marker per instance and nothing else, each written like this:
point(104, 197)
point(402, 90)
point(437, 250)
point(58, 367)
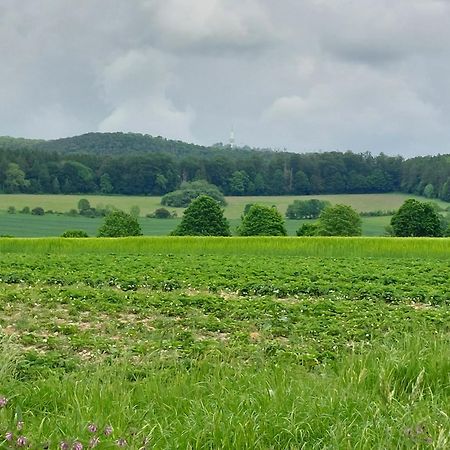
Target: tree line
point(132, 164)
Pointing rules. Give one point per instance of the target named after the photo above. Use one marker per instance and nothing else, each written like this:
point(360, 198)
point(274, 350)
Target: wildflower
point(19, 425)
point(108, 430)
point(3, 402)
point(121, 442)
point(64, 445)
point(22, 441)
point(77, 445)
point(94, 442)
point(9, 436)
point(92, 428)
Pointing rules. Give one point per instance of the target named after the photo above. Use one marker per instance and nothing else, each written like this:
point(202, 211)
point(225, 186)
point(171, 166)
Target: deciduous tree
point(262, 221)
point(416, 218)
point(203, 217)
point(119, 224)
point(339, 220)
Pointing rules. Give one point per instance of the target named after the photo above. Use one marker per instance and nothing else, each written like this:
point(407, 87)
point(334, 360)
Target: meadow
point(262, 343)
point(20, 225)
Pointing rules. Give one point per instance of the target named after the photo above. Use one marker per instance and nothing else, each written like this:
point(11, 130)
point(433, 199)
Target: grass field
point(20, 225)
point(225, 343)
point(234, 209)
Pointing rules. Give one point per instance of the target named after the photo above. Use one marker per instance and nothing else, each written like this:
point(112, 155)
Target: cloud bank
point(302, 75)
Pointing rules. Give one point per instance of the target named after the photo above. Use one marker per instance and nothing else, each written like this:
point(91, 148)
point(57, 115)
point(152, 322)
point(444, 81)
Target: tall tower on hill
point(232, 143)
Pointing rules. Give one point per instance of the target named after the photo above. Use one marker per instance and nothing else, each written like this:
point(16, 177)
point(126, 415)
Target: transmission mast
point(232, 143)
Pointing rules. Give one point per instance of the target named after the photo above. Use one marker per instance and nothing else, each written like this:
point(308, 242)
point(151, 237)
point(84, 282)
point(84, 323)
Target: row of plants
point(222, 351)
point(354, 278)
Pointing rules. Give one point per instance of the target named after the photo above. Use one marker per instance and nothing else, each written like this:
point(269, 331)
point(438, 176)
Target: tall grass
point(391, 396)
point(309, 246)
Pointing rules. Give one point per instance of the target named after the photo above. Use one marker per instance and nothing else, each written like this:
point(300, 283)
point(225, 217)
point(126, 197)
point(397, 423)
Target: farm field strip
point(429, 248)
point(234, 209)
point(179, 343)
point(18, 225)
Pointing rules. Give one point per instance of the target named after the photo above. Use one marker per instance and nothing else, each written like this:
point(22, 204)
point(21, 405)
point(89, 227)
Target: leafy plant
point(204, 217)
point(339, 220)
point(75, 234)
point(262, 221)
point(118, 224)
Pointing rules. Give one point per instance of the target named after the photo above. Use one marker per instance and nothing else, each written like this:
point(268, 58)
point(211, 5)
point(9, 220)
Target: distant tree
point(75, 234)
point(262, 221)
point(11, 210)
point(38, 211)
point(339, 220)
point(25, 210)
point(118, 224)
point(308, 229)
point(306, 209)
point(445, 191)
point(191, 190)
point(106, 186)
point(238, 182)
point(203, 217)
point(55, 187)
point(428, 191)
point(161, 213)
point(416, 218)
point(83, 205)
point(15, 180)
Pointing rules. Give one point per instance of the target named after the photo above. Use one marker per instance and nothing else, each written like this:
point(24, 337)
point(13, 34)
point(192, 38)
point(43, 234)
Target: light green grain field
point(21, 225)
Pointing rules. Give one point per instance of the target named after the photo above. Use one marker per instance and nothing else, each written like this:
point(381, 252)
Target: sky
point(300, 75)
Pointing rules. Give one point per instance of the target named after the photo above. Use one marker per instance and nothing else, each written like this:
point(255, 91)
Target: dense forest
point(135, 164)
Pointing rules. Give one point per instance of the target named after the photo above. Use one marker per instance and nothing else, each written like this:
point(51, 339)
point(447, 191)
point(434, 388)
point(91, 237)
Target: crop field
point(21, 225)
point(234, 209)
point(227, 343)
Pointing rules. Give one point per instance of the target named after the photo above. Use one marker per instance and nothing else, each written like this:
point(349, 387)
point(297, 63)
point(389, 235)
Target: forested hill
point(117, 144)
point(134, 164)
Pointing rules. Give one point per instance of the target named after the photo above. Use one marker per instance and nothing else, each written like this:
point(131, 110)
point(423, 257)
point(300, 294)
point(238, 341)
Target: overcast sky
point(305, 75)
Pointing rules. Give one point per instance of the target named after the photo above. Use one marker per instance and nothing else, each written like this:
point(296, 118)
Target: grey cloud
point(305, 75)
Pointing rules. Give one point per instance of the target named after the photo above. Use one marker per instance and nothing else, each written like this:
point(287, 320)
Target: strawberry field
point(213, 350)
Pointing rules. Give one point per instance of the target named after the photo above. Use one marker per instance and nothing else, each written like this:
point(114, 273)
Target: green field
point(20, 225)
point(226, 343)
point(63, 203)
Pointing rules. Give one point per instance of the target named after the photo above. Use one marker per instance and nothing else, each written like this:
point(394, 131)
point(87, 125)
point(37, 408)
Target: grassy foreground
point(236, 343)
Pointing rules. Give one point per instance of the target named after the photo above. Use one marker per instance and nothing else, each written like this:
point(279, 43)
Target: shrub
point(38, 211)
point(308, 229)
point(11, 210)
point(306, 209)
point(83, 205)
point(119, 224)
point(203, 217)
point(25, 210)
point(75, 234)
point(339, 220)
point(262, 221)
point(160, 213)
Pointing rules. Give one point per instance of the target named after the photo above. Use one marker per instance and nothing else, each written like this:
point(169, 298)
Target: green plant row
point(298, 246)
